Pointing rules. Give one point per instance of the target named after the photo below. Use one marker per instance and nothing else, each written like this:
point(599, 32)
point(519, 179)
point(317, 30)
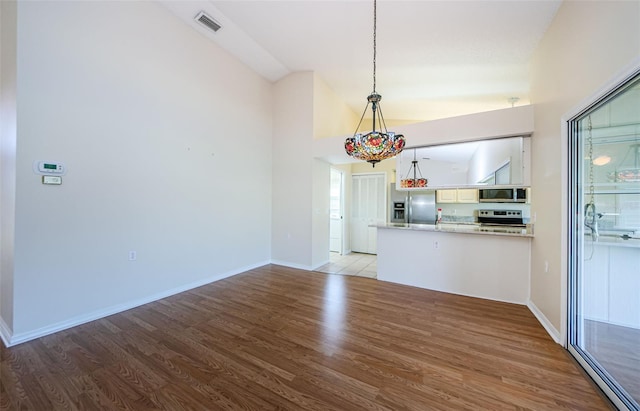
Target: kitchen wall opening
point(604, 242)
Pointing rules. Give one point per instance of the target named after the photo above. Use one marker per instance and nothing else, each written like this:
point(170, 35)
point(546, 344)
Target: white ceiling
point(435, 59)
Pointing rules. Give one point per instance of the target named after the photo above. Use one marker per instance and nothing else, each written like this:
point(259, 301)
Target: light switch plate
point(54, 180)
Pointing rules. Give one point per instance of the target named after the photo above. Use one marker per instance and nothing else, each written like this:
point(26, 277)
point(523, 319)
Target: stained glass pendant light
point(374, 146)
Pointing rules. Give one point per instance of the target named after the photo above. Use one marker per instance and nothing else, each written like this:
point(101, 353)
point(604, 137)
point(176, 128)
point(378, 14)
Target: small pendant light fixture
point(374, 146)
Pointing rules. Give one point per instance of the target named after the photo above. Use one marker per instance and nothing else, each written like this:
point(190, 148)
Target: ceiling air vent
point(207, 21)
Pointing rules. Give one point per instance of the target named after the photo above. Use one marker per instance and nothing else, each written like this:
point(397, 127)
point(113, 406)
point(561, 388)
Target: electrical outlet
point(133, 255)
point(436, 244)
point(546, 266)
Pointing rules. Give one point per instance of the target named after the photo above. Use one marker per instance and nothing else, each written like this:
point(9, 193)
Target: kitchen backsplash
point(467, 213)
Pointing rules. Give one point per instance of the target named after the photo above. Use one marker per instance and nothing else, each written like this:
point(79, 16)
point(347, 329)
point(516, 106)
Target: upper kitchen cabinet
point(457, 195)
point(500, 161)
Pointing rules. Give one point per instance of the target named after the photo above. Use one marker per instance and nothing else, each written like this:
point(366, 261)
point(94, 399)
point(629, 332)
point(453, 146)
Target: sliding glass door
point(604, 243)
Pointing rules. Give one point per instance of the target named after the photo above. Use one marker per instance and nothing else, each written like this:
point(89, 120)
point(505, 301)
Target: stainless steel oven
point(500, 217)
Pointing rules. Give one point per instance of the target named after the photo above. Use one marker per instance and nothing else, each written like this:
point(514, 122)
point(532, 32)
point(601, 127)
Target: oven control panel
point(500, 213)
point(500, 216)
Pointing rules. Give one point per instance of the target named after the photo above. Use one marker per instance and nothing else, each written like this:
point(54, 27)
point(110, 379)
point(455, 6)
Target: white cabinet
point(611, 288)
point(446, 196)
point(467, 195)
point(624, 286)
point(460, 195)
point(369, 207)
point(595, 301)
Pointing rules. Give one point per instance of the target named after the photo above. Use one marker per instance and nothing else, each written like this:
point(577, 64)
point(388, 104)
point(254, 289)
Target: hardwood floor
point(276, 338)
point(617, 349)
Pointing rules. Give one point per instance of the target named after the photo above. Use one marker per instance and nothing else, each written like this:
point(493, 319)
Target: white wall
point(167, 144)
point(573, 61)
point(148, 115)
point(438, 173)
point(459, 263)
point(331, 115)
point(292, 171)
point(514, 121)
point(305, 108)
point(320, 213)
point(7, 160)
point(479, 126)
point(493, 154)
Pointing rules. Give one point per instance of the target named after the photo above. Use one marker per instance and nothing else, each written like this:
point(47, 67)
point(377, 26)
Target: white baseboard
point(96, 315)
point(320, 265)
point(299, 266)
point(292, 265)
point(545, 322)
point(5, 332)
point(10, 339)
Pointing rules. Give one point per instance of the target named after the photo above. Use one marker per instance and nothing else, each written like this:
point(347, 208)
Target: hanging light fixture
point(374, 146)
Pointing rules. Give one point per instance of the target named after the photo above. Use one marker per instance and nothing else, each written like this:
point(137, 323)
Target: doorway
point(336, 212)
point(604, 242)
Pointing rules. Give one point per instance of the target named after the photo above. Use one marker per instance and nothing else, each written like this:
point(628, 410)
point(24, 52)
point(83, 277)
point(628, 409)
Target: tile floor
point(362, 265)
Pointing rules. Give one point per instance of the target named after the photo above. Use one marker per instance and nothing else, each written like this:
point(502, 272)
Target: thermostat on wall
point(50, 167)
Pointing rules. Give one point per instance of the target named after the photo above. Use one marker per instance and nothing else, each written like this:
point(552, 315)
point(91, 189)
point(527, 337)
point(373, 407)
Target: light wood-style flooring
point(617, 349)
point(276, 338)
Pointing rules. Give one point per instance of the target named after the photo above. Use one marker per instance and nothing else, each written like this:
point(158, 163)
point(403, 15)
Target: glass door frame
point(574, 219)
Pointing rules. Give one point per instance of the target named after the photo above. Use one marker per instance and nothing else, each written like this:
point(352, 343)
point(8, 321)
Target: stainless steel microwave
point(502, 195)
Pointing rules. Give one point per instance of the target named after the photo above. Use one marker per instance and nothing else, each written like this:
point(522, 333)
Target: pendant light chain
point(375, 145)
point(590, 142)
point(374, 46)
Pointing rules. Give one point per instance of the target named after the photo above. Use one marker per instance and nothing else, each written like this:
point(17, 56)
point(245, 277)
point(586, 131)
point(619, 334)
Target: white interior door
point(336, 212)
point(369, 197)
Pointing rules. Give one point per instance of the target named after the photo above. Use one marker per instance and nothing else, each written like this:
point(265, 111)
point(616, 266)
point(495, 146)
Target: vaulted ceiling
point(435, 59)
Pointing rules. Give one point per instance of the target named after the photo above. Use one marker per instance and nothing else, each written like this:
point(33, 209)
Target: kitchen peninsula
point(466, 259)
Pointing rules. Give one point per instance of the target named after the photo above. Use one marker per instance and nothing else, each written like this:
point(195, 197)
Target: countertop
point(469, 228)
point(613, 241)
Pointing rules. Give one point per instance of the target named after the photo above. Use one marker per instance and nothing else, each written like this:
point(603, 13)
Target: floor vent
point(207, 21)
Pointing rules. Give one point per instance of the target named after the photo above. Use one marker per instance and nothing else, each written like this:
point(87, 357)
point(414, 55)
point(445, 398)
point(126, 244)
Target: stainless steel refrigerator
point(419, 206)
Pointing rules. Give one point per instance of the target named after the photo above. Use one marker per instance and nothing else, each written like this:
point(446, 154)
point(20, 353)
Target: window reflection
point(605, 277)
point(334, 309)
